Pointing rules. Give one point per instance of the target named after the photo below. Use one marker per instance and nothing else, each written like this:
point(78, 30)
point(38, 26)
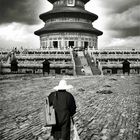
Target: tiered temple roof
point(68, 12)
point(52, 1)
point(72, 26)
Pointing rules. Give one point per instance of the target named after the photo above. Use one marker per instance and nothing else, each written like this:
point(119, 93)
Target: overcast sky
point(118, 19)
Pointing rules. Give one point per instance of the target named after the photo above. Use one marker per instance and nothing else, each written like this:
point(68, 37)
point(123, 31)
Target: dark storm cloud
point(131, 32)
point(127, 32)
point(119, 6)
point(123, 17)
point(24, 11)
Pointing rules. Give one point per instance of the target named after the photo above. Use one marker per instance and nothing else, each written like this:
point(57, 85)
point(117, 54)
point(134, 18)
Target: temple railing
point(40, 65)
point(43, 56)
point(115, 54)
point(118, 56)
point(74, 67)
point(100, 67)
point(114, 65)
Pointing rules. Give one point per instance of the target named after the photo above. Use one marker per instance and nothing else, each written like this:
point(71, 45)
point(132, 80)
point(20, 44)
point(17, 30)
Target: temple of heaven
point(67, 25)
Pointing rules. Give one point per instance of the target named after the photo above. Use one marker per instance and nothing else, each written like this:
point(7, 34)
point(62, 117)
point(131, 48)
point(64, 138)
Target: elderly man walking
point(65, 108)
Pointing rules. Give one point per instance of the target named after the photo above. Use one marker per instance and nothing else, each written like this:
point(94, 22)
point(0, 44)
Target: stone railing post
point(74, 69)
point(100, 68)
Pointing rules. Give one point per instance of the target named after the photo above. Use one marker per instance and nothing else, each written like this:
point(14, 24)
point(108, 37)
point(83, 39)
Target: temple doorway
point(85, 45)
point(55, 44)
point(71, 44)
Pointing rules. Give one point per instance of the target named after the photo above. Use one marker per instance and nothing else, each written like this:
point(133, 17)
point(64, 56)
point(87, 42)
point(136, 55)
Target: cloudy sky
point(118, 19)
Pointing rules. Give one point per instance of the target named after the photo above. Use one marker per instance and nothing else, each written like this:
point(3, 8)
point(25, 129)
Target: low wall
point(6, 69)
point(107, 70)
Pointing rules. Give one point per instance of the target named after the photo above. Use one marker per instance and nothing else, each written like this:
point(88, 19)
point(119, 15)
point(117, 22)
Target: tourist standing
point(65, 108)
point(0, 66)
point(126, 67)
point(46, 67)
point(14, 65)
point(97, 63)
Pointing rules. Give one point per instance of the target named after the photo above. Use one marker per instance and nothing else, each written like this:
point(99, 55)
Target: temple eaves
point(52, 1)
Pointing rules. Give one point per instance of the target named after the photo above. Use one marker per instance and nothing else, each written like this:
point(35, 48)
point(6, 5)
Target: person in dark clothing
point(1, 66)
point(97, 63)
point(126, 67)
point(46, 67)
point(65, 108)
point(14, 65)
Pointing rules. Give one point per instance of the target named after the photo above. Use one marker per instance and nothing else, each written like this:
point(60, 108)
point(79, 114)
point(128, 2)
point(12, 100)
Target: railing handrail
point(74, 66)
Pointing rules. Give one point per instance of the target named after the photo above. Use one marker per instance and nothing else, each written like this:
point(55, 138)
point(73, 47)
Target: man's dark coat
point(65, 107)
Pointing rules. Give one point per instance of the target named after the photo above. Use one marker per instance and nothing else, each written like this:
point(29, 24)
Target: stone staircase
point(84, 63)
point(95, 70)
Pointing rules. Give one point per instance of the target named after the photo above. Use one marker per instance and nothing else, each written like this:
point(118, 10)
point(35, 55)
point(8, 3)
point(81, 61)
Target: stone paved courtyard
point(108, 107)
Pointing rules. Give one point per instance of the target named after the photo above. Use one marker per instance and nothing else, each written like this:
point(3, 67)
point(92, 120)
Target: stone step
point(92, 65)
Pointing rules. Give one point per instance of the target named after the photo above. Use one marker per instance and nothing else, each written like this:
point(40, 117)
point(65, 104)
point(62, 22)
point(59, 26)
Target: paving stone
point(112, 116)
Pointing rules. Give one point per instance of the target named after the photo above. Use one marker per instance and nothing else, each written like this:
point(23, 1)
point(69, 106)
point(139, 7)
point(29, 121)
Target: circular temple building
point(67, 25)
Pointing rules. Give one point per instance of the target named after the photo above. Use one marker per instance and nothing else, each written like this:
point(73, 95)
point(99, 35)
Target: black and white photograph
point(69, 70)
